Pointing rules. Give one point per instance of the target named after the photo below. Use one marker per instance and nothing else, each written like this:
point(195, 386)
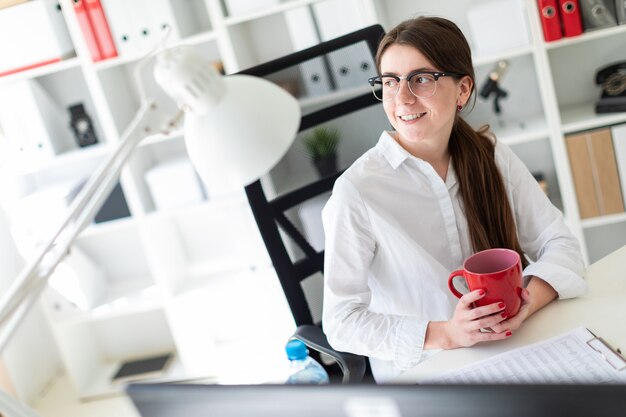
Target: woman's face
point(421, 121)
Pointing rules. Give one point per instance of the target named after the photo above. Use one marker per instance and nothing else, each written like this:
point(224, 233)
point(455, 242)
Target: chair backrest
point(338, 98)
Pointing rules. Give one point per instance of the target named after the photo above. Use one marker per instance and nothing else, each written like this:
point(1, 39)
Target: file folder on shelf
point(352, 65)
point(100, 27)
point(137, 25)
point(314, 73)
point(87, 30)
point(597, 14)
point(594, 171)
point(570, 14)
point(121, 25)
point(550, 20)
point(33, 34)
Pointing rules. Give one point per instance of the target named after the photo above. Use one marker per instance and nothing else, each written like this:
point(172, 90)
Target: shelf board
point(63, 65)
point(517, 133)
point(586, 37)
point(334, 96)
point(337, 96)
point(132, 297)
point(603, 220)
point(198, 39)
point(514, 53)
point(581, 117)
point(63, 160)
point(268, 11)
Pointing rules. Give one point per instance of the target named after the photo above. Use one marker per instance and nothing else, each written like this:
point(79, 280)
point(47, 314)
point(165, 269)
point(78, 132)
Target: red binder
point(85, 27)
point(550, 20)
point(570, 14)
point(101, 28)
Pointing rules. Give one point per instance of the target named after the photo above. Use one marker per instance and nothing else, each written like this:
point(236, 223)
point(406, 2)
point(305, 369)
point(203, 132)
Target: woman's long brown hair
point(489, 216)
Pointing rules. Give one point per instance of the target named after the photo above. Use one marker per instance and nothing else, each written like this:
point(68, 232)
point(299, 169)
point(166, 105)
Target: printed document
point(575, 357)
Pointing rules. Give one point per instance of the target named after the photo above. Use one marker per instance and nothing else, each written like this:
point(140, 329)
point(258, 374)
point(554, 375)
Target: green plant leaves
point(321, 143)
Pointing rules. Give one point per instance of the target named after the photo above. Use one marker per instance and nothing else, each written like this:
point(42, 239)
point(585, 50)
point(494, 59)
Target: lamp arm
point(28, 285)
point(11, 407)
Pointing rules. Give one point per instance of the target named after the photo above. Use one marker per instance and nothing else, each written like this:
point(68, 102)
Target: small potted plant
point(321, 148)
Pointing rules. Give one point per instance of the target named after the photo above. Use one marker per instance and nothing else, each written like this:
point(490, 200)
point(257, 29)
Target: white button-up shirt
point(395, 231)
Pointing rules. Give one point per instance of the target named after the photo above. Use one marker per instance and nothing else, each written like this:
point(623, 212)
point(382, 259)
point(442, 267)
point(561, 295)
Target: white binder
point(315, 77)
point(121, 24)
point(177, 15)
point(302, 32)
point(138, 25)
point(32, 33)
point(351, 66)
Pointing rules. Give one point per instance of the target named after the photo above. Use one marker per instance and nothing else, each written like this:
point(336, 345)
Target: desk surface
point(602, 310)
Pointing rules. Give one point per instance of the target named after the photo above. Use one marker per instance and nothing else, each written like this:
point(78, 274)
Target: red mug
point(498, 272)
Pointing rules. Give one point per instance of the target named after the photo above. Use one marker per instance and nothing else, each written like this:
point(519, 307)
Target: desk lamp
point(236, 128)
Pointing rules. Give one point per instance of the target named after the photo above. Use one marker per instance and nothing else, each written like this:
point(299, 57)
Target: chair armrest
point(352, 366)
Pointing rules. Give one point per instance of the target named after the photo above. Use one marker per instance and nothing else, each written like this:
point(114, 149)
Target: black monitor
point(369, 400)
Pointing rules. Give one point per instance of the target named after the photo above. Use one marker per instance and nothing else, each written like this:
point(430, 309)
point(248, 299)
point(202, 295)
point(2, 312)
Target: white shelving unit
point(158, 261)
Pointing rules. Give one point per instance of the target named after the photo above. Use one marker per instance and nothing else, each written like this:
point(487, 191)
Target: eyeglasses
point(422, 84)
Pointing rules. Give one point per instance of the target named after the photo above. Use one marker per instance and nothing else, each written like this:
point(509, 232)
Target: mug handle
point(457, 273)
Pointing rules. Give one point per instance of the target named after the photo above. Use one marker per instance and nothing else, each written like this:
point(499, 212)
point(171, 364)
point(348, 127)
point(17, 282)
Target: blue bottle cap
point(296, 350)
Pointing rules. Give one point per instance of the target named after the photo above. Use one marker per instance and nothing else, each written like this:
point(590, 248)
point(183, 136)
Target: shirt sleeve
point(349, 323)
point(553, 250)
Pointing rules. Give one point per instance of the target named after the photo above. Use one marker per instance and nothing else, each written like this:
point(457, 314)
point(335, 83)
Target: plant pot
point(326, 166)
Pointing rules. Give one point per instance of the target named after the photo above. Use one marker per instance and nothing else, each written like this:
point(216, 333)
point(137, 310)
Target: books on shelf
point(95, 28)
point(595, 173)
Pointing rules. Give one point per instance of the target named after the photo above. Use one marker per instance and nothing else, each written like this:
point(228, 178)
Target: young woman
point(432, 192)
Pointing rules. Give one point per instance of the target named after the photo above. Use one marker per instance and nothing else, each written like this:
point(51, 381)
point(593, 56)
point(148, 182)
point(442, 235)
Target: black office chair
point(272, 215)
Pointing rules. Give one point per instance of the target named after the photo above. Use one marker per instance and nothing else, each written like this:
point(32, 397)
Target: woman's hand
point(515, 322)
point(464, 329)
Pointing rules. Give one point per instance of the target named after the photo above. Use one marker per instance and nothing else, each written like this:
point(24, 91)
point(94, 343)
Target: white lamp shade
point(245, 134)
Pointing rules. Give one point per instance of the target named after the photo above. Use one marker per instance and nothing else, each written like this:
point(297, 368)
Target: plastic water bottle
point(305, 369)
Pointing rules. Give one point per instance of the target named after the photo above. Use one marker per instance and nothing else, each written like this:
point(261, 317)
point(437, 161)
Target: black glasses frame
point(435, 74)
point(408, 77)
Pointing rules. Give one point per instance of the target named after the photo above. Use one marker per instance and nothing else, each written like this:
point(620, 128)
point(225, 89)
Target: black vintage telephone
point(612, 78)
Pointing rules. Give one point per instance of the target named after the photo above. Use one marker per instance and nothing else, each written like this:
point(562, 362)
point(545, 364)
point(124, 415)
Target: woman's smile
point(411, 117)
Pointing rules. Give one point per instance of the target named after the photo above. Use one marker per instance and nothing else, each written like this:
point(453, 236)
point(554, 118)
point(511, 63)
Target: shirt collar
point(396, 155)
point(391, 150)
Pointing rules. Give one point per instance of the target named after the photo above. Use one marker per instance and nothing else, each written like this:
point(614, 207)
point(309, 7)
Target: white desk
point(602, 310)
